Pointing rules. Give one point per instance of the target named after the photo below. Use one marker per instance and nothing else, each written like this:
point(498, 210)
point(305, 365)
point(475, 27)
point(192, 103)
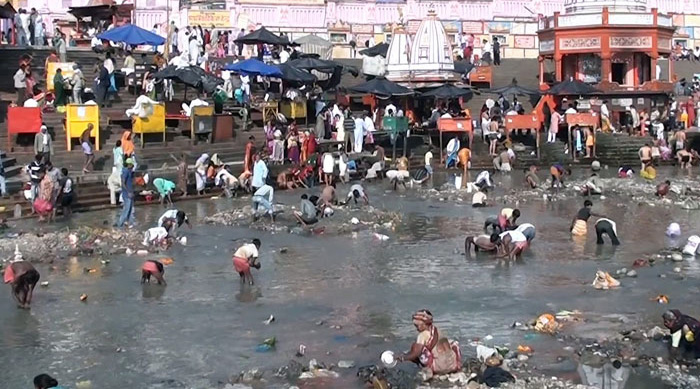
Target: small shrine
point(614, 44)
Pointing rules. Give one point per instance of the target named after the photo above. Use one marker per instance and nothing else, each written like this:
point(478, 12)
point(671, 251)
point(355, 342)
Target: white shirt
point(369, 124)
point(328, 163)
point(265, 191)
point(604, 110)
point(155, 234)
point(95, 42)
point(390, 107)
point(31, 103)
point(399, 113)
point(523, 227)
point(359, 125)
point(68, 186)
point(515, 236)
point(247, 251)
point(358, 188)
point(428, 158)
point(169, 214)
point(225, 175)
point(484, 176)
point(612, 223)
point(487, 48)
point(109, 65)
point(479, 198)
point(284, 56)
point(570, 110)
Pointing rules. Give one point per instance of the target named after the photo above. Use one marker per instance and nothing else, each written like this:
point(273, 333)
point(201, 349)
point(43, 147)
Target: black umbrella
point(514, 89)
point(263, 35)
point(380, 49)
point(572, 87)
point(322, 65)
point(463, 67)
point(382, 87)
point(296, 76)
point(449, 91)
point(193, 76)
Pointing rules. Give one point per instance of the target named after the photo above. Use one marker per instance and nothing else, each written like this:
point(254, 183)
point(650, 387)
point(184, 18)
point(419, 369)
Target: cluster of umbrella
point(296, 72)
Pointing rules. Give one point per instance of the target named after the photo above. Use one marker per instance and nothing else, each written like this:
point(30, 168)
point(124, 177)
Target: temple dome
point(596, 6)
point(432, 50)
point(397, 57)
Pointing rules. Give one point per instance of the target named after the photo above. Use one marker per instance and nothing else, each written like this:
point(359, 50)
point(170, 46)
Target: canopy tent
point(263, 35)
point(132, 35)
point(514, 89)
point(314, 44)
point(296, 76)
point(383, 88)
point(572, 87)
point(254, 67)
point(322, 65)
point(380, 49)
point(193, 76)
point(449, 91)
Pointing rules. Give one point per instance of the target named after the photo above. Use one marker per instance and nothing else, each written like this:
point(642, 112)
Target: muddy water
point(344, 297)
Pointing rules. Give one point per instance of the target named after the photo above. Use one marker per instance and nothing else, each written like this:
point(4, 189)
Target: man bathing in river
point(579, 226)
point(178, 217)
point(357, 192)
point(605, 226)
point(510, 244)
point(22, 277)
point(663, 188)
point(152, 268)
point(480, 242)
point(246, 257)
point(531, 178)
point(506, 220)
point(558, 172)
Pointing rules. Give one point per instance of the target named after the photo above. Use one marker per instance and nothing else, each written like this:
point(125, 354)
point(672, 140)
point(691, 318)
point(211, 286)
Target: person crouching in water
point(246, 257)
point(558, 172)
point(22, 277)
point(684, 330)
point(593, 186)
point(531, 178)
point(432, 351)
point(604, 226)
point(152, 268)
point(510, 244)
point(480, 242)
point(663, 188)
point(159, 236)
point(579, 226)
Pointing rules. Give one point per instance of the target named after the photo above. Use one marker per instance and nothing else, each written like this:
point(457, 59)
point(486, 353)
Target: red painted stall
point(455, 125)
point(22, 120)
point(525, 122)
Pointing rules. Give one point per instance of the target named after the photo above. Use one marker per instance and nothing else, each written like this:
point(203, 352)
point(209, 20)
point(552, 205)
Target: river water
point(344, 297)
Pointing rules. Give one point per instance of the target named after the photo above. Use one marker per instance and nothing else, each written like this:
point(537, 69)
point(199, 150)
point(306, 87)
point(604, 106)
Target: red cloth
point(42, 206)
point(502, 221)
point(9, 274)
point(311, 144)
point(150, 266)
point(241, 265)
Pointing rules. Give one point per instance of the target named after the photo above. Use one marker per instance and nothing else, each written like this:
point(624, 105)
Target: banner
point(220, 19)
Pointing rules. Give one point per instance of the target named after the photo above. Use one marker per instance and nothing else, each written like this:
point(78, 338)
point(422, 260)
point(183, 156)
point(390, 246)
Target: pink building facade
point(513, 21)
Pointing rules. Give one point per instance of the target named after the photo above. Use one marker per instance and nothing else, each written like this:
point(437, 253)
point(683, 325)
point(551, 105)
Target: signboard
point(286, 2)
point(220, 19)
point(473, 27)
point(524, 42)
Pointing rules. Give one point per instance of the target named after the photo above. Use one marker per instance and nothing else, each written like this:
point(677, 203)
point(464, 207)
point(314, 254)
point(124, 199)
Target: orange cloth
point(464, 156)
point(127, 144)
point(9, 275)
point(241, 265)
point(150, 266)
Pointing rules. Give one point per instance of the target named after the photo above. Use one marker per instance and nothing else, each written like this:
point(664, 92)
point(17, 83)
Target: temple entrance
point(619, 73)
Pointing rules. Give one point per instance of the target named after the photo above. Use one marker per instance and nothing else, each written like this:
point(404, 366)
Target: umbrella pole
point(393, 150)
point(405, 143)
point(537, 142)
point(440, 136)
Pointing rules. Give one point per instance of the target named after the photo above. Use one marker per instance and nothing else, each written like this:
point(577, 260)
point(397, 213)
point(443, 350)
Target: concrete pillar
point(558, 67)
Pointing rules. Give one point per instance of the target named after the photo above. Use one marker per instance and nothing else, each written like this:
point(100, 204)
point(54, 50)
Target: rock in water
point(346, 364)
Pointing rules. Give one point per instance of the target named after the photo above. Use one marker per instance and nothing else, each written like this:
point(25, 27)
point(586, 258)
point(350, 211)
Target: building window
point(590, 68)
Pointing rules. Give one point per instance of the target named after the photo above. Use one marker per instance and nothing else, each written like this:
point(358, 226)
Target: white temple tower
point(398, 56)
point(431, 54)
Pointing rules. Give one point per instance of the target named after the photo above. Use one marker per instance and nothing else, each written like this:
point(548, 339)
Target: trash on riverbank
point(603, 280)
point(546, 323)
point(661, 299)
point(83, 297)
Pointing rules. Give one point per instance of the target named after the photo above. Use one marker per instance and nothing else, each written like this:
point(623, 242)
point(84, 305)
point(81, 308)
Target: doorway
point(619, 73)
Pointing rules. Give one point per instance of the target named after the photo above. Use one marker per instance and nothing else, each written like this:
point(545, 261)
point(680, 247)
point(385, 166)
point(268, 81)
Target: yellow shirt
point(684, 119)
point(507, 212)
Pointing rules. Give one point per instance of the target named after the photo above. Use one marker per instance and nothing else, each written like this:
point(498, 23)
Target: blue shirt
point(259, 174)
point(127, 180)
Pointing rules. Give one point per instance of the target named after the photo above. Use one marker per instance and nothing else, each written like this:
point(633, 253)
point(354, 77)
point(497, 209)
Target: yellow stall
point(78, 116)
point(153, 124)
point(293, 109)
point(66, 71)
point(202, 121)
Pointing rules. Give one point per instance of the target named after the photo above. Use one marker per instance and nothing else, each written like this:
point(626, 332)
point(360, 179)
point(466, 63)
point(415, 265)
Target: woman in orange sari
point(431, 350)
point(127, 144)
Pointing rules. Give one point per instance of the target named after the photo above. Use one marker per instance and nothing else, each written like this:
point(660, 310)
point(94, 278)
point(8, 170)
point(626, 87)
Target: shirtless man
point(685, 159)
point(663, 188)
point(480, 242)
point(22, 277)
point(531, 178)
point(285, 180)
point(645, 155)
point(680, 140)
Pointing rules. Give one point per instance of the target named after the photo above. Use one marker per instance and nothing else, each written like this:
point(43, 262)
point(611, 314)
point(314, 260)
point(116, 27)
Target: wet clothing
point(528, 230)
point(479, 199)
point(308, 212)
point(153, 267)
point(244, 257)
point(435, 356)
point(581, 224)
point(679, 338)
point(606, 226)
point(163, 186)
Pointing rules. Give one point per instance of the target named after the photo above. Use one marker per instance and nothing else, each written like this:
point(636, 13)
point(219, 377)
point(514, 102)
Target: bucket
point(692, 246)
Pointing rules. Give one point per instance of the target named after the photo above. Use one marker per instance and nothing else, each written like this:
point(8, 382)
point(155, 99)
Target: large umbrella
point(382, 87)
point(193, 76)
point(463, 67)
point(380, 49)
point(296, 76)
point(314, 44)
point(514, 89)
point(132, 35)
point(263, 35)
point(572, 87)
point(254, 67)
point(449, 91)
point(322, 65)
point(7, 11)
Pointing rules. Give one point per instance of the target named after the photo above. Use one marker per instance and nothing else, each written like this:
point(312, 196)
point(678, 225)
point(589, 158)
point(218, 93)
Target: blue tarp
point(132, 35)
point(254, 67)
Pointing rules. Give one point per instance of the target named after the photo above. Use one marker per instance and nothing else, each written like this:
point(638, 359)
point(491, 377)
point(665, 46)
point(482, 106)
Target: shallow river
point(204, 327)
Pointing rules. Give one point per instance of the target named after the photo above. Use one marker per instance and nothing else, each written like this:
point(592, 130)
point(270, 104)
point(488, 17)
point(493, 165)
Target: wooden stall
point(223, 128)
point(455, 125)
point(294, 109)
point(202, 121)
point(66, 72)
point(589, 119)
point(525, 122)
point(78, 117)
point(21, 120)
point(481, 75)
point(154, 124)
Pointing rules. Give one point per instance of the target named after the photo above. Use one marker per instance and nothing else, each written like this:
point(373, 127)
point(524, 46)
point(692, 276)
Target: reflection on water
point(348, 296)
